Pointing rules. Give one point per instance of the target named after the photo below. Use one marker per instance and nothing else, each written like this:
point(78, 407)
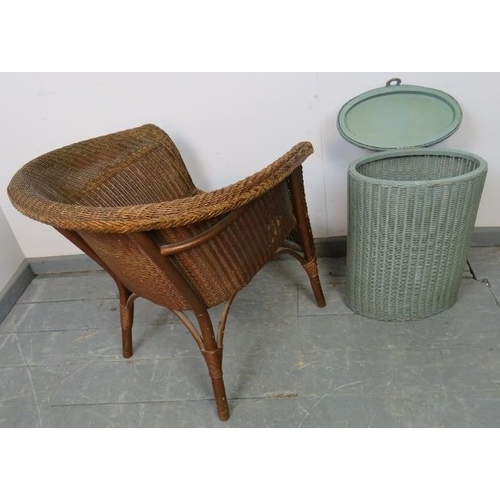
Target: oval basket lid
point(399, 116)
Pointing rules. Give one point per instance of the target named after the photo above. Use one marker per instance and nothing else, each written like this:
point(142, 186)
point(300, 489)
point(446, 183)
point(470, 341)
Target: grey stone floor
point(287, 363)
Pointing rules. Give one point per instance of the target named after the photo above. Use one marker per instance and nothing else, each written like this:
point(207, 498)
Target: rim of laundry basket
point(482, 166)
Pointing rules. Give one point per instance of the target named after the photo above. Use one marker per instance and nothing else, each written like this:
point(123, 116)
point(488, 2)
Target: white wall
point(227, 126)
point(11, 255)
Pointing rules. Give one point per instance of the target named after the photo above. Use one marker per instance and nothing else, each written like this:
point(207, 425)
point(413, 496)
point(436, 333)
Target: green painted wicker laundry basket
point(411, 216)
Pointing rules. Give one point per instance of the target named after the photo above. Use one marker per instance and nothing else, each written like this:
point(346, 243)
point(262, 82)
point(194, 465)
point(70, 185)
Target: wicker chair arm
point(127, 219)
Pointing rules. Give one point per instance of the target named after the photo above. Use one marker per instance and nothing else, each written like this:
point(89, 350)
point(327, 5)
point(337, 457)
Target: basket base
point(396, 317)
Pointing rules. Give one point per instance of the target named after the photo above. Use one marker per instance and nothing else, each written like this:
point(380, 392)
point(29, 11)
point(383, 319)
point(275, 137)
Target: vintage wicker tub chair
point(127, 200)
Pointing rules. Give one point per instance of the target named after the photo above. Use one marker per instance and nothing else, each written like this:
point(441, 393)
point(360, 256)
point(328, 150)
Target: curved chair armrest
point(134, 218)
point(207, 205)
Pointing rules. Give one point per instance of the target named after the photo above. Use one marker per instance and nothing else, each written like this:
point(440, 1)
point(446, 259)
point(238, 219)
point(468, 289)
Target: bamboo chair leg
point(211, 348)
point(311, 268)
point(296, 184)
point(126, 296)
point(214, 364)
point(126, 319)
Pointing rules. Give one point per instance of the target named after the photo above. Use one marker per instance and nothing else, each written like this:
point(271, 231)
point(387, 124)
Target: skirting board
point(63, 264)
point(486, 237)
point(10, 294)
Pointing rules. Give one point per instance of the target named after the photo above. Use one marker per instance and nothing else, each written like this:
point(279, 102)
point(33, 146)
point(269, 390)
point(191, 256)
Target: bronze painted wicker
point(127, 200)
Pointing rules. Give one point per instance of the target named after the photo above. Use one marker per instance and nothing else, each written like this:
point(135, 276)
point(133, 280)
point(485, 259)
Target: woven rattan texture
point(134, 268)
point(408, 243)
point(215, 270)
point(417, 168)
point(86, 187)
point(236, 254)
point(135, 180)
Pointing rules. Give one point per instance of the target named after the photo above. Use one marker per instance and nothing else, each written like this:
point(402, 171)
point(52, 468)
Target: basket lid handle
point(397, 81)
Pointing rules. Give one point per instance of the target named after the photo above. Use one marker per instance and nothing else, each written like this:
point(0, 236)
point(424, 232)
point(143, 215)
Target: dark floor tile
point(458, 326)
point(56, 288)
point(352, 332)
point(66, 347)
point(103, 344)
point(335, 300)
point(356, 332)
point(390, 371)
point(354, 410)
point(485, 261)
point(93, 416)
point(267, 375)
point(274, 334)
point(263, 375)
point(254, 303)
point(287, 271)
point(455, 409)
point(18, 403)
point(145, 313)
point(273, 411)
point(257, 413)
point(10, 351)
point(475, 295)
point(47, 316)
point(134, 381)
point(434, 409)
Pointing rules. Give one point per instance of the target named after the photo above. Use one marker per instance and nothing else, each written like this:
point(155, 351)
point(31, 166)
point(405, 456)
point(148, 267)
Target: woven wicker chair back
point(215, 270)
